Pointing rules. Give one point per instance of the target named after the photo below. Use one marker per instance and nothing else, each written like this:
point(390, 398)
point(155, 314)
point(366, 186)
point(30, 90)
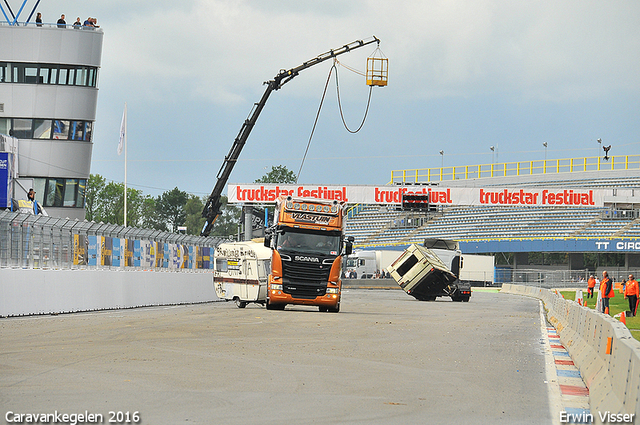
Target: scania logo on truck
point(309, 259)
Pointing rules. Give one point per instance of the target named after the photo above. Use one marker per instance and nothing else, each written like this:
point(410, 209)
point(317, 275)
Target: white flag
point(123, 128)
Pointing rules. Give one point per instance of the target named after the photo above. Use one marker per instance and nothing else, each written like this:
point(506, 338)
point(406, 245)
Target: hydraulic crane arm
point(211, 209)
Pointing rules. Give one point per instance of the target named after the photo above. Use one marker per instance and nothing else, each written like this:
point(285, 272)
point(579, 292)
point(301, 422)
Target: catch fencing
point(38, 242)
point(549, 278)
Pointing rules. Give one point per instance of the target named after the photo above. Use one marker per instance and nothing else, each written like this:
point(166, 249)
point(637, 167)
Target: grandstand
point(485, 229)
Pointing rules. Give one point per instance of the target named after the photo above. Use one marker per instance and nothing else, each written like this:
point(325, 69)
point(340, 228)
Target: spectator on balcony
point(39, 19)
point(61, 22)
point(77, 24)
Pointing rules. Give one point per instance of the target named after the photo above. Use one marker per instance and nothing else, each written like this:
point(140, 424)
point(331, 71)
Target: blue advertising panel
point(6, 183)
point(93, 250)
point(116, 255)
point(136, 253)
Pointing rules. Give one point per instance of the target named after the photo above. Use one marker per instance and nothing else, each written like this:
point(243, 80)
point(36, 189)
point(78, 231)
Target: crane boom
point(212, 208)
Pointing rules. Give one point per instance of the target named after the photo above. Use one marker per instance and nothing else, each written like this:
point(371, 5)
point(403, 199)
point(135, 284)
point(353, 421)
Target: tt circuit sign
point(552, 245)
point(386, 195)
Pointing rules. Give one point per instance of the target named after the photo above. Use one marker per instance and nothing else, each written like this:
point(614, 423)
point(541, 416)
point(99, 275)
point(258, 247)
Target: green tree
point(170, 207)
point(194, 220)
point(95, 184)
point(229, 220)
point(278, 174)
point(105, 202)
point(150, 219)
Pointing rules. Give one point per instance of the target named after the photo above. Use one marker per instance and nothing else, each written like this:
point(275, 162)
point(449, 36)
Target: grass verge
point(617, 305)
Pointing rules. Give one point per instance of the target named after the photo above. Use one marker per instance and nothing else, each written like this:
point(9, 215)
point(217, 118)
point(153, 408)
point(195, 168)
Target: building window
point(61, 129)
point(25, 128)
point(42, 129)
point(77, 130)
point(22, 129)
point(44, 76)
point(34, 73)
point(4, 72)
point(60, 192)
point(5, 126)
point(62, 76)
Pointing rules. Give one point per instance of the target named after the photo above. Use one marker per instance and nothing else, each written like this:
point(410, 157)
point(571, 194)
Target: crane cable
point(366, 112)
point(324, 93)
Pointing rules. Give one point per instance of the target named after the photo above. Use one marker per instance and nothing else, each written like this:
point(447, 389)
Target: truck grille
point(305, 280)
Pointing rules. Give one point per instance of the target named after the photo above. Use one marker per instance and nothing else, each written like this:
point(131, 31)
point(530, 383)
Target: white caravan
point(241, 270)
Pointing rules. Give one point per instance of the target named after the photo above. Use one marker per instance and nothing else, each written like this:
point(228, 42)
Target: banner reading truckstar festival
point(257, 193)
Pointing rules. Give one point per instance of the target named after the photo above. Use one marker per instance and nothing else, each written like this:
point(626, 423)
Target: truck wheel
point(456, 299)
point(335, 309)
point(323, 308)
point(240, 304)
point(271, 306)
point(466, 299)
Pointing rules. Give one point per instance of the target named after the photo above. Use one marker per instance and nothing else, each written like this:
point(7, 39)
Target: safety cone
point(623, 319)
point(579, 301)
point(606, 310)
point(585, 302)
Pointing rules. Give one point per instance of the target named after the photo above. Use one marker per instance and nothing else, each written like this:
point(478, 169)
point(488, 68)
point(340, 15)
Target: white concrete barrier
point(27, 292)
point(601, 347)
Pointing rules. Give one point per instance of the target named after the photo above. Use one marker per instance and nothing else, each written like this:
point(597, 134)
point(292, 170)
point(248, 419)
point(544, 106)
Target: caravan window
point(221, 264)
point(264, 268)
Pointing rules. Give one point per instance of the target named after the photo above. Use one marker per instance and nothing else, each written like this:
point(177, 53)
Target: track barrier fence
point(602, 348)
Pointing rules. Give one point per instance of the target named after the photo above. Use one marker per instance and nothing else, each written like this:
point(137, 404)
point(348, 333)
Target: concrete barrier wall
point(601, 347)
point(27, 292)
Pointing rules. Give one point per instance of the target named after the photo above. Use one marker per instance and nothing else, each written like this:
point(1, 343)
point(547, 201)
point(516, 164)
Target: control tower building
point(48, 97)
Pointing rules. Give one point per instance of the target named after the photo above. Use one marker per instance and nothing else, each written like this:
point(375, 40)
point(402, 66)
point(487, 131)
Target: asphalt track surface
point(386, 358)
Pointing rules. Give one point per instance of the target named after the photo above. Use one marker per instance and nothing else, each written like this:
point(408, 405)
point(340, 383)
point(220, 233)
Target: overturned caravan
point(423, 275)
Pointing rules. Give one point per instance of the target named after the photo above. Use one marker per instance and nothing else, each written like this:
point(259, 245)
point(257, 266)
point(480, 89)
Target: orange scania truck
point(307, 244)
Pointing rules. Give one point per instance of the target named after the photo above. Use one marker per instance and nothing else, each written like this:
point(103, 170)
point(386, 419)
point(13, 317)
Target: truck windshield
point(317, 243)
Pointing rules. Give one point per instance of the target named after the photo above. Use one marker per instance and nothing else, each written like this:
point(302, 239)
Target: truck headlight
point(276, 286)
point(331, 290)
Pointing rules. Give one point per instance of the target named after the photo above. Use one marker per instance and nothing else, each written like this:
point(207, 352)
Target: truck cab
point(307, 244)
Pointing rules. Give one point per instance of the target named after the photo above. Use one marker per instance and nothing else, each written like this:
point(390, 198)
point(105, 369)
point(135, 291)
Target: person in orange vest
point(632, 292)
point(591, 283)
point(606, 289)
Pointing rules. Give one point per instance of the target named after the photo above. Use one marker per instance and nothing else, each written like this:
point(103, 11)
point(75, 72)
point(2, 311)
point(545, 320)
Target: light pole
point(492, 152)
point(545, 151)
point(441, 159)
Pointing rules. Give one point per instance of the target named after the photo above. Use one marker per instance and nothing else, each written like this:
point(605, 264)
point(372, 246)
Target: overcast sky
point(463, 76)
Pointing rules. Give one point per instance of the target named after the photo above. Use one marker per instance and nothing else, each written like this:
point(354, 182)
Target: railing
point(38, 242)
point(46, 25)
point(521, 168)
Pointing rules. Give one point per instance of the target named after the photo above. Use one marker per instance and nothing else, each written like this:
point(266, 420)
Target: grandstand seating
point(372, 225)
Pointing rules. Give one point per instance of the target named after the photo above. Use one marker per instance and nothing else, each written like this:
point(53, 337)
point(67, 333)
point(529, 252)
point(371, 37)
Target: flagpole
point(125, 164)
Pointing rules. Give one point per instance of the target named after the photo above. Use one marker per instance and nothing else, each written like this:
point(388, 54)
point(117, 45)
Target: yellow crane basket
point(377, 70)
